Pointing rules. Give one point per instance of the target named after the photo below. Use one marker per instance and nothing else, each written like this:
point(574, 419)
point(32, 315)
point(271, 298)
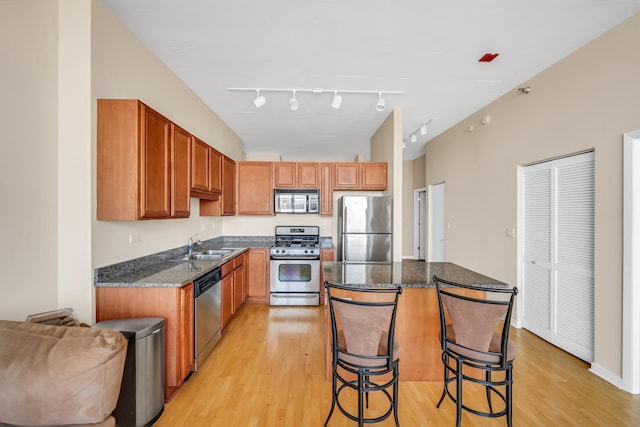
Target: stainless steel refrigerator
point(365, 229)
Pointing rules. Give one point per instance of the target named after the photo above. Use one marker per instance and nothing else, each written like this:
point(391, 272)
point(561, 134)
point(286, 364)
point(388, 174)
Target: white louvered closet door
point(558, 233)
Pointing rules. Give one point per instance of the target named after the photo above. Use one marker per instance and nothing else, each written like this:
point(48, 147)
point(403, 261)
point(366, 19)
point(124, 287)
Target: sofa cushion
point(58, 375)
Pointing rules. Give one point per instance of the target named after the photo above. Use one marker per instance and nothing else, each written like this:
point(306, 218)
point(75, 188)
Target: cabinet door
point(227, 299)
point(228, 186)
point(155, 165)
point(257, 279)
point(186, 336)
point(325, 255)
point(238, 287)
point(374, 176)
point(326, 190)
point(200, 166)
point(346, 176)
point(180, 172)
point(308, 175)
point(215, 171)
point(285, 174)
point(255, 188)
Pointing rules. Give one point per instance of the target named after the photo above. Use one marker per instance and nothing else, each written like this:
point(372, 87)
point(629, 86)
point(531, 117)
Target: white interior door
point(558, 255)
point(436, 223)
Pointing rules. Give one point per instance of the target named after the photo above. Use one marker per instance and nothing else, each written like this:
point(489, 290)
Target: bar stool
point(365, 353)
point(475, 344)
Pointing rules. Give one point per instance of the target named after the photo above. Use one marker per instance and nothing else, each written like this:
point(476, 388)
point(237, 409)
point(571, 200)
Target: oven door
point(295, 275)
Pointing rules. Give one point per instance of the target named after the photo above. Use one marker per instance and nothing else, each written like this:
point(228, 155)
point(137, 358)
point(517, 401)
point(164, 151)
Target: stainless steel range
point(295, 266)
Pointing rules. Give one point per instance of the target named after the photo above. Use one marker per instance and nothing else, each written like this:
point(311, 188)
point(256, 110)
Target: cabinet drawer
point(226, 268)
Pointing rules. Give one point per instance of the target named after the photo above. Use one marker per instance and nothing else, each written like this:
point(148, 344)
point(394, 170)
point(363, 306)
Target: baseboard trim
point(606, 375)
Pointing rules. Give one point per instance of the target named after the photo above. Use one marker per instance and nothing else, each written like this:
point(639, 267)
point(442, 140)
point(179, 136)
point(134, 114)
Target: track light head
point(260, 100)
point(413, 138)
point(380, 104)
point(293, 102)
point(423, 130)
point(337, 101)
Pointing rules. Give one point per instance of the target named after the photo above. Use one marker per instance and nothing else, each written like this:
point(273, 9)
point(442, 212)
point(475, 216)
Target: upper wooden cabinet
point(206, 171)
point(180, 184)
point(255, 188)
point(360, 176)
point(140, 162)
point(326, 189)
point(296, 175)
point(373, 176)
point(226, 203)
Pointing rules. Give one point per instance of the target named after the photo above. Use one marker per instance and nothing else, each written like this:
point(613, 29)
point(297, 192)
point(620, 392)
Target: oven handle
point(295, 258)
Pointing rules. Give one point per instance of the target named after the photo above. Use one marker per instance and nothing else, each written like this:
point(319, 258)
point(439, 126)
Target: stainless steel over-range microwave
point(296, 201)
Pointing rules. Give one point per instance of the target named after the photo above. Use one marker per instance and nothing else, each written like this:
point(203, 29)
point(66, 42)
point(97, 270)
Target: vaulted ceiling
point(427, 49)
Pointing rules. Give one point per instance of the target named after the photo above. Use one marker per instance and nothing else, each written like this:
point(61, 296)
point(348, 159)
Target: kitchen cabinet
point(326, 189)
point(325, 255)
point(180, 184)
point(257, 275)
point(296, 175)
point(141, 159)
point(239, 291)
point(374, 176)
point(233, 288)
point(226, 307)
point(255, 188)
point(206, 164)
point(360, 176)
point(175, 305)
point(226, 203)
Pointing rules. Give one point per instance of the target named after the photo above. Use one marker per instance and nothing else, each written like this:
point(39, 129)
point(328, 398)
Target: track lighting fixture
point(380, 104)
point(336, 102)
point(526, 90)
point(260, 100)
point(293, 102)
point(422, 130)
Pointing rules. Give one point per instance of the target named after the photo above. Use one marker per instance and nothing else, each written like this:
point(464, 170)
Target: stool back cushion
point(57, 375)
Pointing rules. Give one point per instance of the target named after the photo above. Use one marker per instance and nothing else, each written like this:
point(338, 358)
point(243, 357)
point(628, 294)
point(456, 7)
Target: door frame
point(631, 266)
point(419, 223)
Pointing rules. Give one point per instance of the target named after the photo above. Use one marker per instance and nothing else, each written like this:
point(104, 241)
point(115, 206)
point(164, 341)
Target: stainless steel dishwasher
point(207, 315)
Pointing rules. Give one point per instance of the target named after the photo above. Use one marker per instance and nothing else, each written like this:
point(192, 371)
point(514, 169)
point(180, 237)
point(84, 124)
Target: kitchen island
point(418, 320)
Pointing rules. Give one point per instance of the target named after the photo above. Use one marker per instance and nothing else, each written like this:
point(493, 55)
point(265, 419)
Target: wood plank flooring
point(268, 370)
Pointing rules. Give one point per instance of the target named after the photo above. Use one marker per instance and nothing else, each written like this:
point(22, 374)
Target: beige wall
point(28, 165)
point(586, 101)
point(386, 146)
point(413, 178)
point(64, 55)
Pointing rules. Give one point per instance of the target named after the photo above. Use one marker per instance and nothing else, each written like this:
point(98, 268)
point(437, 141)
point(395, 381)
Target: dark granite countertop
point(408, 274)
point(166, 269)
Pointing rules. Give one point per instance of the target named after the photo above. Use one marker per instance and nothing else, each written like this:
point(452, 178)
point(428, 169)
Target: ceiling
point(428, 49)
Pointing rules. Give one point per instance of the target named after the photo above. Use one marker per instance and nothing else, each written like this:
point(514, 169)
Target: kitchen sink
point(220, 252)
point(204, 257)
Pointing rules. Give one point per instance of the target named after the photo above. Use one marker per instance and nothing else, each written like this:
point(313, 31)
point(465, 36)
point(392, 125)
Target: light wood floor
point(268, 370)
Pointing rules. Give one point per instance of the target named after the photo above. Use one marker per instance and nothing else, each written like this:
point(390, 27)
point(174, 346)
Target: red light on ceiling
point(488, 57)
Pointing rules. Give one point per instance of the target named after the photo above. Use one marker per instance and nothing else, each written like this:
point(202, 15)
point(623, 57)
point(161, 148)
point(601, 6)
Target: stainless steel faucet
point(192, 243)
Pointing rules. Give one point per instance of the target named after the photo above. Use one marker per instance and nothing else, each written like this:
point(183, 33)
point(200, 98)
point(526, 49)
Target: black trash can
point(141, 400)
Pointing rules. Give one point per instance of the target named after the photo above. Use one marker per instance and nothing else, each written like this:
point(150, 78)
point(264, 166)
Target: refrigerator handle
point(344, 240)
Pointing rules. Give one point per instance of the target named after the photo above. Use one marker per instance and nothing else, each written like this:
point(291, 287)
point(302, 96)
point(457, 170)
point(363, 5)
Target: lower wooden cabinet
point(325, 255)
point(257, 275)
point(175, 305)
point(227, 298)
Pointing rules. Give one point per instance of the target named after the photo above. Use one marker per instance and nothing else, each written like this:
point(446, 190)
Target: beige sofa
point(59, 375)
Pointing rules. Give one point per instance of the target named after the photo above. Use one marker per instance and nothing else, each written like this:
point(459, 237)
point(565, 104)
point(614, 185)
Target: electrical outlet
point(204, 227)
point(133, 238)
point(511, 232)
